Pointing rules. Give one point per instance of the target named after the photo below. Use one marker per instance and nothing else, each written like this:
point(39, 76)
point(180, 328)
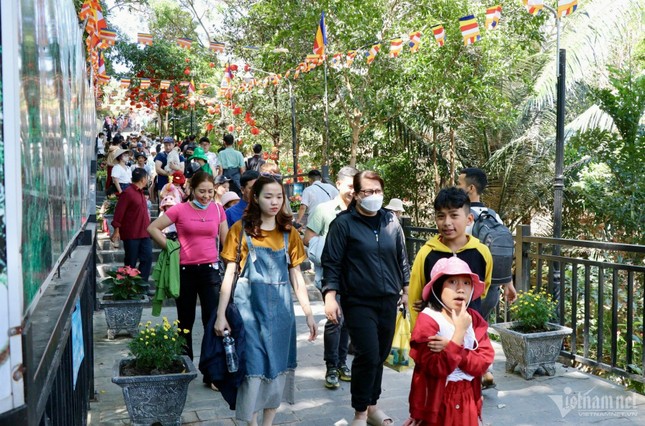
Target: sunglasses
point(276, 177)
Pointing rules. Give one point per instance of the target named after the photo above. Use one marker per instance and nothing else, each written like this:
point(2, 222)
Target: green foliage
point(158, 347)
point(533, 310)
point(125, 283)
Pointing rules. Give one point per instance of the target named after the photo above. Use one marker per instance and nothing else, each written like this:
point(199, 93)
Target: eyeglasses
point(274, 176)
point(370, 192)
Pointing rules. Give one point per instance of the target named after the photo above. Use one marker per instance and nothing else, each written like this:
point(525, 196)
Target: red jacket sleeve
point(476, 362)
point(119, 210)
point(437, 364)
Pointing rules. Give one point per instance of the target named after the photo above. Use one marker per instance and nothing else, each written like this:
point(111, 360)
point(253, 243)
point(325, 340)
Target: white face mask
point(126, 158)
point(372, 203)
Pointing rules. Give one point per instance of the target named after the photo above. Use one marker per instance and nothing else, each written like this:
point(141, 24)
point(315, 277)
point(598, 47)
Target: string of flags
point(468, 25)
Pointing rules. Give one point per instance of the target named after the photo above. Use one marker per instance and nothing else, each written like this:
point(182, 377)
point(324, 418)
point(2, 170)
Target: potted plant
point(155, 378)
point(101, 177)
point(124, 300)
point(531, 341)
point(107, 212)
point(294, 202)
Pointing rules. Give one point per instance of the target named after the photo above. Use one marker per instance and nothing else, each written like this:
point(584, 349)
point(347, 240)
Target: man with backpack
point(490, 230)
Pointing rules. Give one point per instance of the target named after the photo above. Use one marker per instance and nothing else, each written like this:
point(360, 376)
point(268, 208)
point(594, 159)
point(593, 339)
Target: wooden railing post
point(522, 262)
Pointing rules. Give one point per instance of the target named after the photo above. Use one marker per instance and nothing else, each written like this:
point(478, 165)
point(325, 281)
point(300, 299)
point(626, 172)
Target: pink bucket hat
point(228, 197)
point(452, 266)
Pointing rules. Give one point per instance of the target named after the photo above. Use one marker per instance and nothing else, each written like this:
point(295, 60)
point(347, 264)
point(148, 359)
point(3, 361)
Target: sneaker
point(331, 378)
point(345, 373)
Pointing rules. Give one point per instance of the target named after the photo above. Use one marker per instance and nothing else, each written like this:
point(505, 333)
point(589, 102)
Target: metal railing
point(600, 289)
point(53, 396)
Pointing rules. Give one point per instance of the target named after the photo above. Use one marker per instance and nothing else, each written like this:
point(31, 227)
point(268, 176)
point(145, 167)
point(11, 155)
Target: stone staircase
point(110, 258)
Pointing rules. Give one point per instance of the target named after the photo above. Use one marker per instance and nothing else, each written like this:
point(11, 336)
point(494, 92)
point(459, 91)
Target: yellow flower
point(186, 331)
point(147, 343)
point(173, 339)
point(165, 337)
point(148, 323)
point(153, 334)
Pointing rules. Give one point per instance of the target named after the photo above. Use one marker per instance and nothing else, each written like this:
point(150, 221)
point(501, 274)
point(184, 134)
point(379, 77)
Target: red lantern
point(211, 64)
point(211, 110)
point(209, 127)
point(265, 155)
point(217, 110)
point(273, 156)
point(237, 111)
point(138, 106)
point(247, 67)
point(187, 71)
point(233, 67)
point(231, 128)
point(187, 60)
point(255, 131)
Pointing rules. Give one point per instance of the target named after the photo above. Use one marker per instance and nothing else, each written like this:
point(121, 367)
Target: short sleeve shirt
point(122, 174)
point(163, 157)
point(270, 239)
point(323, 215)
point(230, 158)
point(197, 237)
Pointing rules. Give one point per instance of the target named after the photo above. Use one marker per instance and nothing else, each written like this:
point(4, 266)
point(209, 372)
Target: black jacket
point(360, 262)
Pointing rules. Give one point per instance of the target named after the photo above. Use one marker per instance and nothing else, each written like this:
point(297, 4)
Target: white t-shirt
point(318, 193)
point(212, 162)
point(122, 174)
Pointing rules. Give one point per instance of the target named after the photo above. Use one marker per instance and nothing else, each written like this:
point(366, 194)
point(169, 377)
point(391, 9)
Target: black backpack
point(495, 235)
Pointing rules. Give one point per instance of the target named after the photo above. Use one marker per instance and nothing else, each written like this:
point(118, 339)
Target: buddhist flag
point(145, 39)
point(108, 37)
point(101, 69)
point(144, 83)
point(86, 9)
point(415, 41)
point(371, 54)
point(493, 14)
point(164, 84)
point(184, 83)
point(313, 59)
point(439, 34)
point(103, 79)
point(566, 7)
point(204, 85)
point(349, 58)
point(395, 47)
point(469, 29)
point(336, 61)
point(184, 42)
point(125, 83)
point(534, 7)
point(217, 47)
point(321, 37)
point(191, 88)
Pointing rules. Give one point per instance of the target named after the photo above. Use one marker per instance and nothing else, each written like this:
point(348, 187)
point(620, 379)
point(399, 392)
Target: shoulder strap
point(326, 192)
point(238, 256)
point(286, 247)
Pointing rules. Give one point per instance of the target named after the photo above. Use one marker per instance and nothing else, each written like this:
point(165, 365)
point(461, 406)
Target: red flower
point(231, 128)
point(255, 131)
point(187, 71)
point(237, 111)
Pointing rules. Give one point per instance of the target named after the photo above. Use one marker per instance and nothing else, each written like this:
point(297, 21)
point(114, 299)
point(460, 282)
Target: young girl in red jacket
point(446, 384)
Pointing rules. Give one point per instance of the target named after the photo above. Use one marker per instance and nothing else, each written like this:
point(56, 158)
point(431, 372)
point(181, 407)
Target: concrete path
point(570, 397)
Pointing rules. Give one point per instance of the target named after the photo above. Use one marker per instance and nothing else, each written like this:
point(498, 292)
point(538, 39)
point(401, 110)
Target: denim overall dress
point(263, 297)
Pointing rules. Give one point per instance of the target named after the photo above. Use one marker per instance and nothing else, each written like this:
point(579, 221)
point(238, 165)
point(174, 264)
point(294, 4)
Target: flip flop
point(378, 418)
point(488, 384)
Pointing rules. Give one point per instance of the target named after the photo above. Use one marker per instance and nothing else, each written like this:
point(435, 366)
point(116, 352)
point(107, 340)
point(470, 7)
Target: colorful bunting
point(103, 79)
point(108, 38)
point(371, 54)
point(125, 83)
point(336, 61)
point(534, 7)
point(101, 69)
point(395, 47)
point(469, 29)
point(144, 83)
point(184, 42)
point(217, 47)
point(415, 41)
point(349, 59)
point(321, 37)
point(439, 34)
point(493, 15)
point(204, 85)
point(566, 7)
point(144, 38)
point(164, 84)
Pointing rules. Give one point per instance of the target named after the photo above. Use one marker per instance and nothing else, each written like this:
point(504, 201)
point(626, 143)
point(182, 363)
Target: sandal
point(488, 381)
point(378, 418)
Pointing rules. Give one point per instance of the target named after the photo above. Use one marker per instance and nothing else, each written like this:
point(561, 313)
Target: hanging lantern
point(187, 60)
point(209, 127)
point(231, 128)
point(211, 110)
point(237, 110)
point(255, 131)
point(211, 64)
point(187, 71)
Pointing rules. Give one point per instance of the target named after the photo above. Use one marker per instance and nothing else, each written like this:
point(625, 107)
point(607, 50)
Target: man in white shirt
point(205, 143)
point(317, 192)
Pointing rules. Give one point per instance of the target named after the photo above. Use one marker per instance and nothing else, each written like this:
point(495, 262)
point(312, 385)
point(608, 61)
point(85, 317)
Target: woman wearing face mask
point(199, 222)
point(364, 260)
point(121, 173)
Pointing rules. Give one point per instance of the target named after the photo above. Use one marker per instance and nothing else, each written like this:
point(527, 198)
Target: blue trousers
point(139, 249)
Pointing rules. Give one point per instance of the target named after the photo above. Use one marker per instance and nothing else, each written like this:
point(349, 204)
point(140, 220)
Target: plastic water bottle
point(231, 355)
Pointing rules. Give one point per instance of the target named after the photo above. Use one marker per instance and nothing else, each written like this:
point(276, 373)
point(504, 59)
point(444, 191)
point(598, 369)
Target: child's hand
point(461, 319)
point(418, 305)
point(437, 343)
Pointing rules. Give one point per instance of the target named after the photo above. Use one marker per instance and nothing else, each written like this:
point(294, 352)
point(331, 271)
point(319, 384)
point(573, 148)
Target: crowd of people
point(235, 230)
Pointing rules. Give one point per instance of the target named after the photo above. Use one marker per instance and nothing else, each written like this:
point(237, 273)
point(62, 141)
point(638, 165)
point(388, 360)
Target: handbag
point(399, 357)
point(232, 314)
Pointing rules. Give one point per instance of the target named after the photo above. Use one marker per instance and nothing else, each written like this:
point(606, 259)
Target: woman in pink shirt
point(199, 222)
